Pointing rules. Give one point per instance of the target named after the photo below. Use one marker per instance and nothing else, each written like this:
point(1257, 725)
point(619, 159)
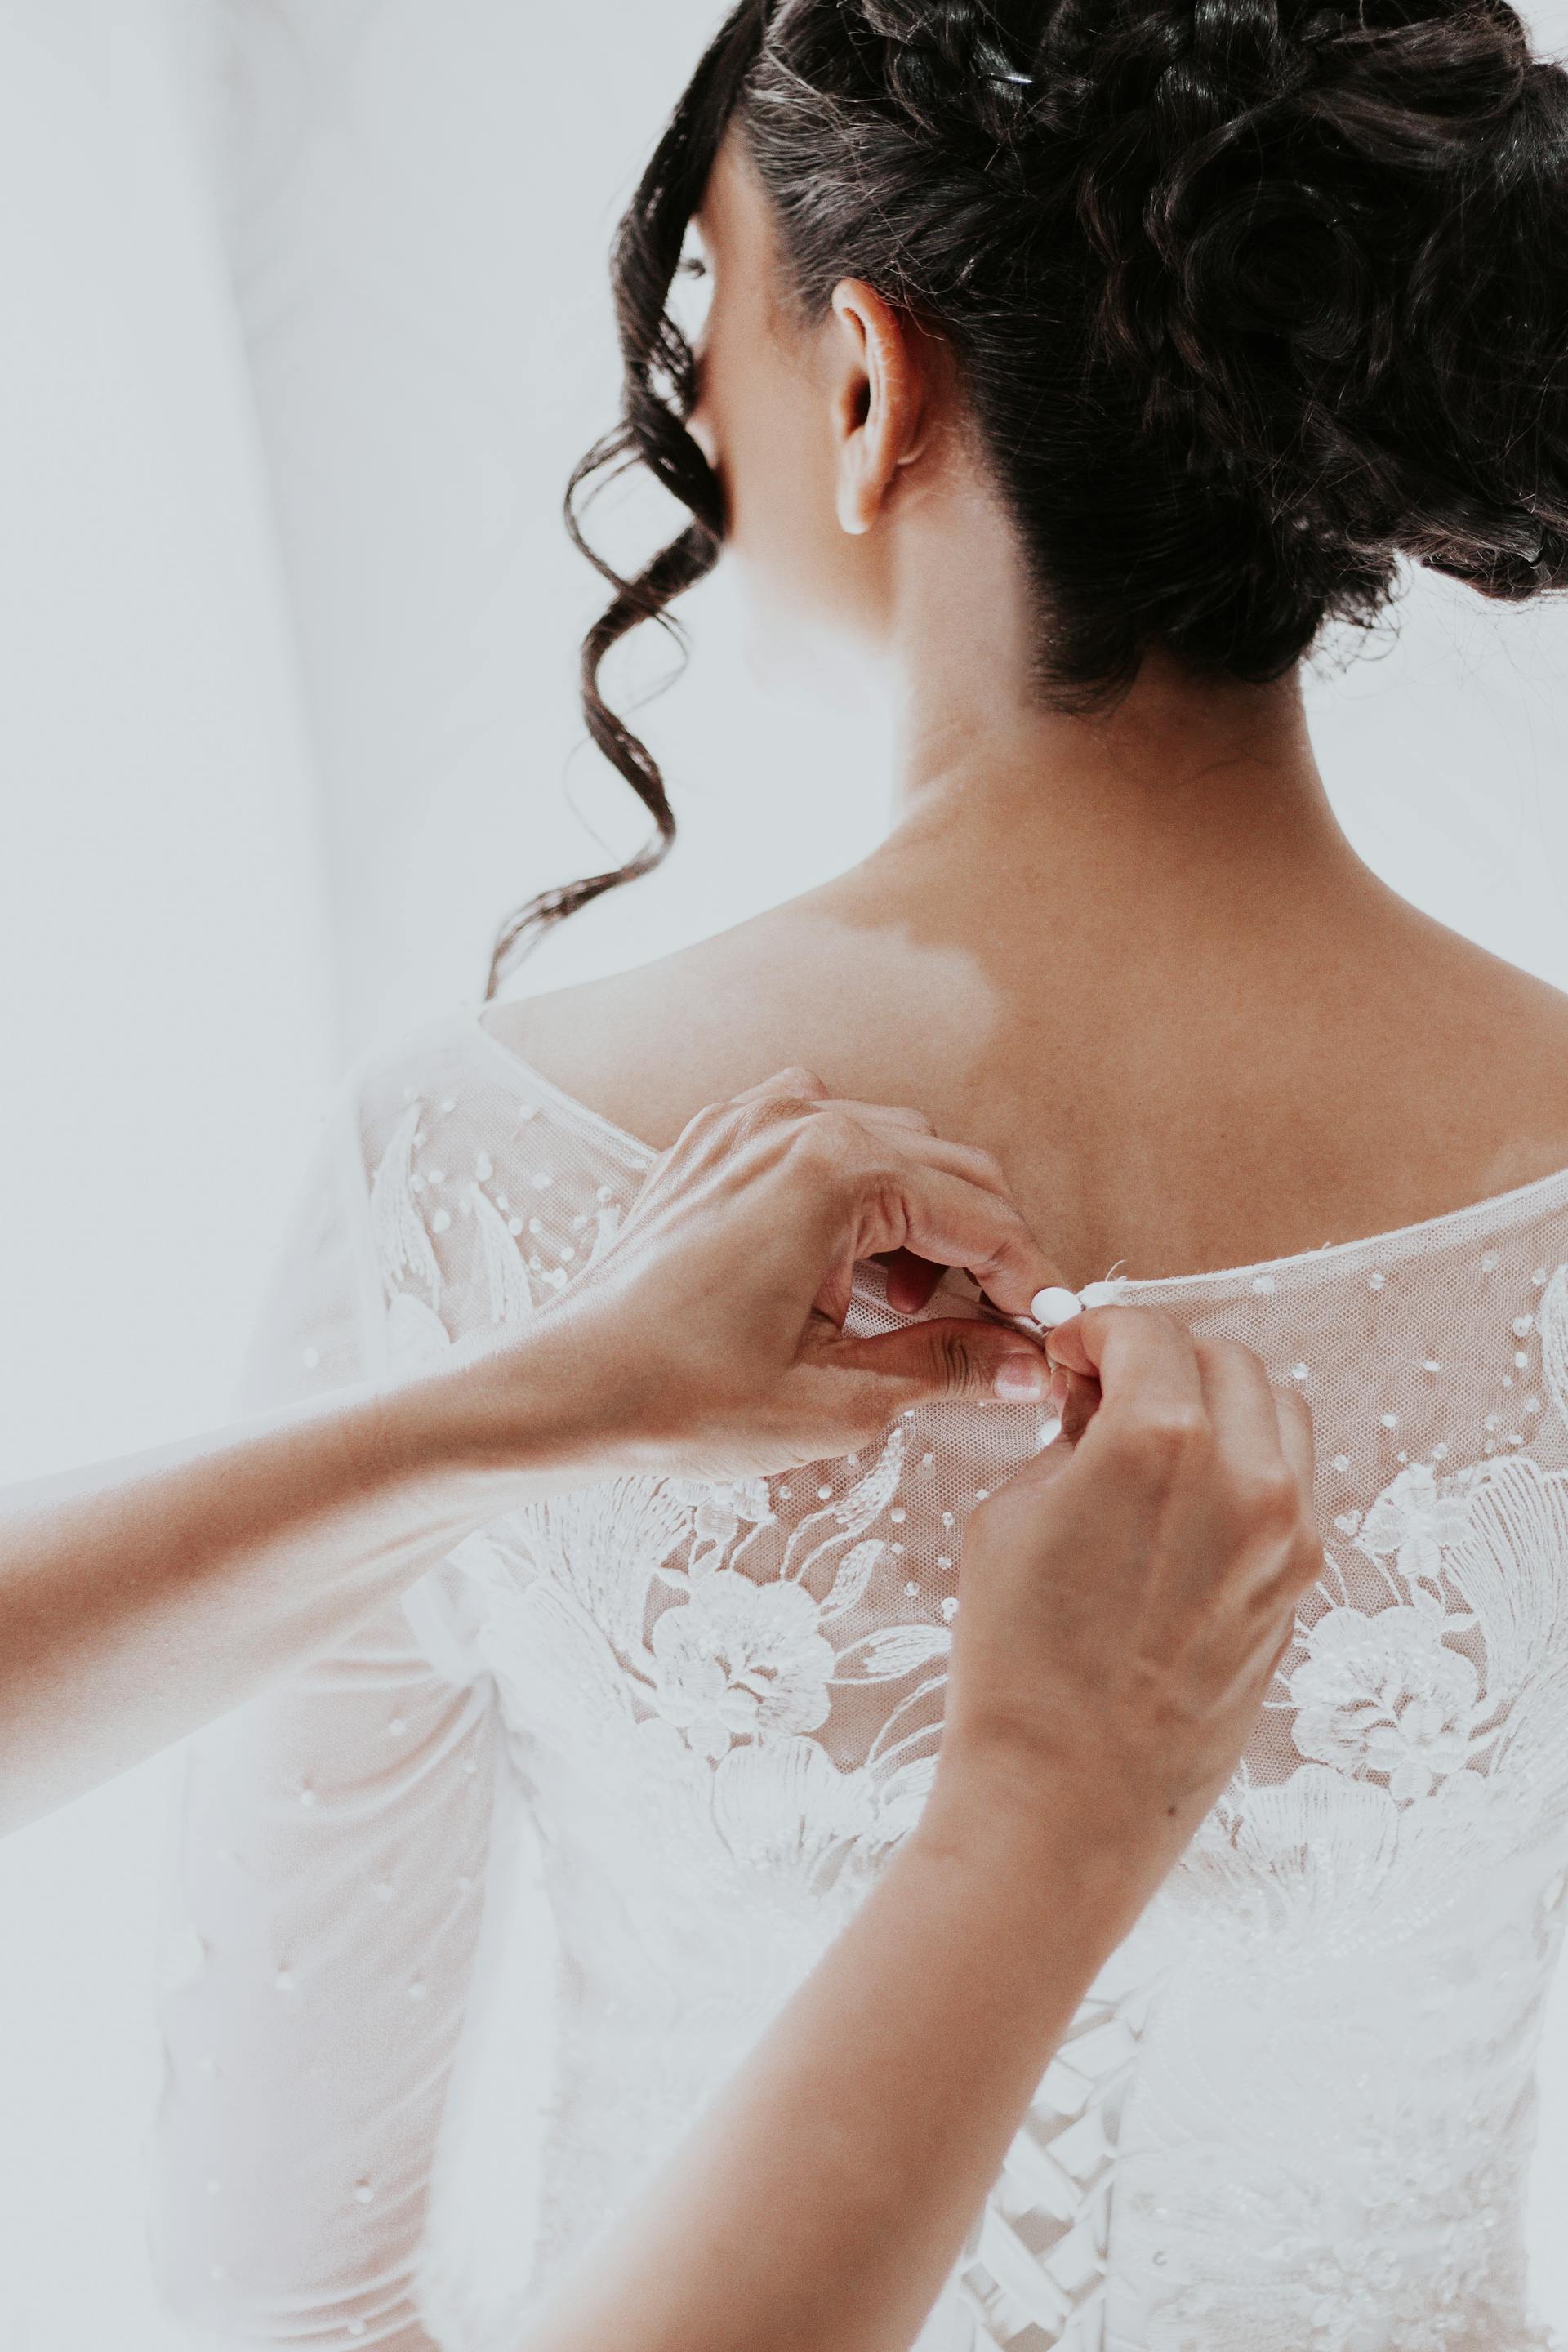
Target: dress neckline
point(1497, 1213)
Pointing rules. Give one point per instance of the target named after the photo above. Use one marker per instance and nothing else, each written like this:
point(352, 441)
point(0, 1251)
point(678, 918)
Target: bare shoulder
point(1491, 1046)
point(1431, 1073)
point(649, 1047)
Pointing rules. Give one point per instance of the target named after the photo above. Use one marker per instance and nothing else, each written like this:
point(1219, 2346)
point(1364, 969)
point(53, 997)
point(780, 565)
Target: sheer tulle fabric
point(1298, 2107)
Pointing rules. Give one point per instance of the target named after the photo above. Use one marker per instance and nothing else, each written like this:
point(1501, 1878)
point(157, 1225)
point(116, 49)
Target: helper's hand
point(1126, 1597)
point(709, 1336)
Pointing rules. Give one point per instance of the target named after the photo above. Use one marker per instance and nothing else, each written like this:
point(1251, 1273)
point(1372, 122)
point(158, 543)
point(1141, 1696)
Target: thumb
point(949, 1358)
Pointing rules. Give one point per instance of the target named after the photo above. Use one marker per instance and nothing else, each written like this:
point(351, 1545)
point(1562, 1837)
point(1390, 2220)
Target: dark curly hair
point(1249, 299)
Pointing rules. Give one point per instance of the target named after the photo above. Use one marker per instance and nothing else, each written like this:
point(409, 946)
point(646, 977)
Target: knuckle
point(796, 1084)
point(764, 1114)
point(1168, 1434)
point(1217, 1348)
point(819, 1124)
point(715, 1119)
point(1307, 1560)
point(869, 1188)
point(847, 1133)
point(956, 1363)
point(1293, 1572)
point(1270, 1498)
point(879, 1191)
point(1276, 1603)
point(793, 1108)
point(831, 1147)
point(1007, 1236)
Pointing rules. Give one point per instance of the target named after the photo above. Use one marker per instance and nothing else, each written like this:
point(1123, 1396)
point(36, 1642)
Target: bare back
point(1213, 1100)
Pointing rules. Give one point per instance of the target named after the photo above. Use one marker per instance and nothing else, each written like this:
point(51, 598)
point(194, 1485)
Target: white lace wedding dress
point(1295, 2113)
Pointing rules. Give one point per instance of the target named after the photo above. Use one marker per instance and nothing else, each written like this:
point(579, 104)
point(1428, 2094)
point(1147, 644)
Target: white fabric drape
point(163, 970)
point(305, 324)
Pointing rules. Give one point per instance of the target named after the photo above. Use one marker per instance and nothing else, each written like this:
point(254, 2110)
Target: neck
point(1196, 810)
point(1192, 795)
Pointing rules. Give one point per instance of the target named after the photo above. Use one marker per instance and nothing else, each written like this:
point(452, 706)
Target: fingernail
point(1053, 1307)
point(1021, 1379)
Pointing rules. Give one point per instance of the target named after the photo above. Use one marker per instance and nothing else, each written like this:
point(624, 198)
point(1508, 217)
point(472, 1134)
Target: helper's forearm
point(825, 2198)
point(140, 1600)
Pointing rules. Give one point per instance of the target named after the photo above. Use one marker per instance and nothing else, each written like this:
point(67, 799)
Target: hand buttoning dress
point(1295, 2113)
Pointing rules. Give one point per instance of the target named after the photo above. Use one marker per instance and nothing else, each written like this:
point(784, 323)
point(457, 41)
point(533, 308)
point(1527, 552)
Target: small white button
point(1053, 1307)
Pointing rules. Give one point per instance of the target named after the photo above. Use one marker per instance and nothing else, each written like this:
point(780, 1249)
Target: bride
point(1077, 366)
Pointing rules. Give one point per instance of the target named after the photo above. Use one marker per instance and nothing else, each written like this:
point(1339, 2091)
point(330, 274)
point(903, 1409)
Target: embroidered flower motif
point(1552, 1328)
point(1383, 1694)
point(744, 1499)
point(785, 1805)
point(506, 1275)
point(1414, 1519)
point(902, 1799)
point(739, 1658)
point(403, 1246)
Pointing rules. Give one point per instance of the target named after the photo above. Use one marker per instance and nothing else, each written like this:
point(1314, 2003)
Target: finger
point(1297, 1439)
point(1257, 1423)
point(837, 1289)
point(1243, 1405)
point(1143, 1359)
point(794, 1083)
point(717, 1132)
point(1077, 1403)
point(924, 1146)
point(1262, 1429)
point(911, 1280)
point(950, 1221)
point(895, 1115)
point(950, 1358)
point(799, 1084)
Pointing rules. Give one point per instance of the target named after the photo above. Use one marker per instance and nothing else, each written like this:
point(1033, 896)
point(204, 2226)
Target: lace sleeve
point(327, 1885)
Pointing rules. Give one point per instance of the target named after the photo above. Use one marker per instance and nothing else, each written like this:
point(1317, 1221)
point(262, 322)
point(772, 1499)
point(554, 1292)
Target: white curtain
point(305, 324)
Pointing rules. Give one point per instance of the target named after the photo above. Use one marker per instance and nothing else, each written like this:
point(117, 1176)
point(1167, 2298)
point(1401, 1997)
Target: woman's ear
point(878, 399)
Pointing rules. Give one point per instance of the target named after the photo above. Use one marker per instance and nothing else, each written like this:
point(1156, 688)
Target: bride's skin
point(1136, 958)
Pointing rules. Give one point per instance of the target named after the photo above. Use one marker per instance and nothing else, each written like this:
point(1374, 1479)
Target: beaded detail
point(1295, 2110)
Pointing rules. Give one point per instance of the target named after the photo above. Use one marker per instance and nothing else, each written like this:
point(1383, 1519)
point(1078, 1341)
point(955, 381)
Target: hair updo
point(1249, 299)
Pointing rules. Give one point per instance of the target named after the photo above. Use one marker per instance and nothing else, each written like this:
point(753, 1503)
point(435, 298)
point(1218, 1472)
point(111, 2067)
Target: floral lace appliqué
point(1383, 1694)
point(738, 1659)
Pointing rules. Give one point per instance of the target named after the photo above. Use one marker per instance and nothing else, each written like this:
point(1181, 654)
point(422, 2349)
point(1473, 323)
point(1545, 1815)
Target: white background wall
point(305, 326)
